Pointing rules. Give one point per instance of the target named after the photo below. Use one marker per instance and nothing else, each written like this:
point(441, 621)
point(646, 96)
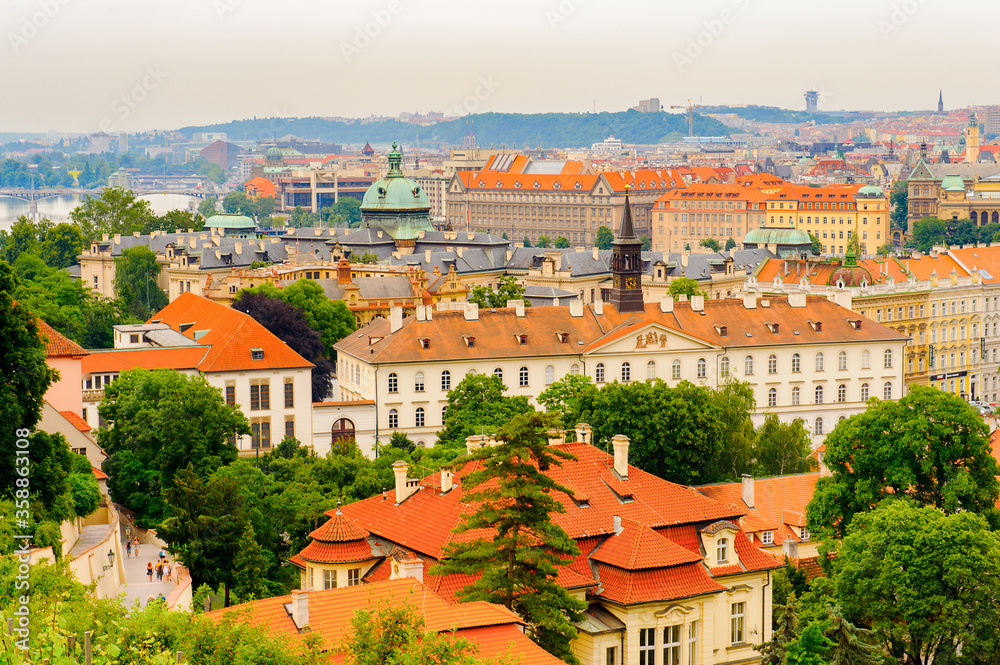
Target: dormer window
point(767, 537)
point(773, 327)
point(856, 324)
point(563, 337)
point(522, 340)
point(817, 326)
point(722, 330)
point(256, 354)
point(804, 534)
point(470, 342)
point(425, 343)
point(722, 550)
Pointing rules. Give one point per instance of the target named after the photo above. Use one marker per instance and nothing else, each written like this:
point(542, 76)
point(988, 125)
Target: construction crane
point(690, 108)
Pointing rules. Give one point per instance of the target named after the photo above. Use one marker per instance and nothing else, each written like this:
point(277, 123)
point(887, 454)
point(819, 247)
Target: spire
point(626, 230)
point(395, 162)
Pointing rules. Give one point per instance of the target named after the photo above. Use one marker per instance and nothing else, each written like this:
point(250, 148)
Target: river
point(57, 208)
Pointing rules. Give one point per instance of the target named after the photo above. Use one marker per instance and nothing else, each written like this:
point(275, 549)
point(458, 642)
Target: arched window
point(842, 361)
point(772, 397)
point(446, 380)
point(574, 369)
point(675, 369)
point(818, 426)
point(887, 359)
point(796, 363)
point(772, 364)
point(865, 359)
point(651, 370)
point(748, 365)
point(819, 395)
point(599, 373)
point(522, 375)
point(796, 393)
point(887, 390)
point(498, 372)
point(819, 361)
point(418, 417)
point(702, 368)
point(864, 392)
point(444, 414)
point(393, 418)
point(393, 383)
point(626, 372)
point(342, 430)
point(841, 393)
point(724, 365)
point(550, 375)
point(418, 382)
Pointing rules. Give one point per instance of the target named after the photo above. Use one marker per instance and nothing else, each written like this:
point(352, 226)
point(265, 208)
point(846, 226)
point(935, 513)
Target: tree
point(923, 580)
point(288, 323)
point(544, 241)
point(851, 645)
point(562, 242)
point(885, 249)
point(207, 206)
point(489, 298)
point(25, 238)
point(730, 243)
point(526, 242)
point(710, 243)
point(604, 238)
point(928, 232)
point(83, 489)
point(400, 441)
point(811, 647)
point(478, 405)
point(930, 446)
point(350, 209)
point(115, 211)
point(734, 402)
point(136, 285)
point(566, 397)
point(781, 448)
point(159, 422)
point(773, 652)
point(250, 566)
point(899, 205)
point(180, 220)
point(62, 246)
point(516, 559)
point(263, 207)
point(687, 247)
point(965, 232)
point(238, 203)
point(817, 245)
point(646, 243)
point(684, 286)
point(331, 318)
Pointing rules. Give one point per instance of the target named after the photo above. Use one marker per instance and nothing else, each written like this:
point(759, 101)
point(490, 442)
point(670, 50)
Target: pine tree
point(250, 566)
point(852, 645)
point(517, 566)
point(773, 652)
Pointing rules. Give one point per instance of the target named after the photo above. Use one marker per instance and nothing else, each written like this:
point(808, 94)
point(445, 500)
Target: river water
point(57, 208)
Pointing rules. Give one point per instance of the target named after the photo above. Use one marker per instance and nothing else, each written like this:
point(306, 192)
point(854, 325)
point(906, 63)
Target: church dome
point(274, 153)
point(850, 276)
point(395, 191)
point(872, 191)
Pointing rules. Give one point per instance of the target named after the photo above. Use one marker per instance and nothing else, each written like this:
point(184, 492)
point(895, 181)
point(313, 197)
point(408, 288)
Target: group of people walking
point(162, 567)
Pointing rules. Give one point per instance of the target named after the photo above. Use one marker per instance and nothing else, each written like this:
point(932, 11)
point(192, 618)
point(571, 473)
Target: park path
point(137, 586)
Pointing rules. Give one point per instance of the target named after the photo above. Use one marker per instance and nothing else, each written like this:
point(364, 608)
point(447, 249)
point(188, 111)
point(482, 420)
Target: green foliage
point(331, 318)
point(251, 566)
point(928, 232)
point(786, 622)
point(25, 237)
point(400, 441)
point(885, 249)
point(567, 396)
point(687, 247)
point(899, 205)
point(782, 448)
point(477, 405)
point(136, 286)
point(238, 203)
point(604, 238)
point(85, 493)
point(180, 220)
point(48, 534)
point(207, 206)
point(817, 244)
point(526, 242)
point(930, 446)
point(159, 422)
point(116, 210)
point(516, 561)
point(730, 243)
point(489, 298)
point(684, 286)
point(62, 245)
point(544, 241)
point(851, 645)
point(924, 581)
point(368, 257)
point(562, 242)
point(646, 242)
point(710, 243)
point(811, 647)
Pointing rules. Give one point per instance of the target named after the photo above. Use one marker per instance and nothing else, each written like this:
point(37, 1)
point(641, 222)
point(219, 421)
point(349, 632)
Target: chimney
point(697, 303)
point(447, 480)
point(421, 313)
point(473, 443)
point(238, 248)
point(576, 308)
point(790, 548)
point(413, 568)
point(458, 250)
point(599, 307)
point(684, 259)
point(518, 306)
point(667, 304)
point(824, 470)
point(118, 238)
point(748, 495)
point(582, 432)
point(597, 256)
point(618, 524)
point(797, 300)
point(471, 311)
point(750, 301)
point(399, 469)
point(556, 436)
point(620, 443)
point(427, 255)
point(395, 318)
point(300, 608)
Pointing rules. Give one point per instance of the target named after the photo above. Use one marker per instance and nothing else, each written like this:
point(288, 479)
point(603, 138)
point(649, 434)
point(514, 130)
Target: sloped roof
point(76, 421)
point(638, 547)
point(338, 529)
point(117, 360)
point(659, 584)
point(58, 345)
point(337, 552)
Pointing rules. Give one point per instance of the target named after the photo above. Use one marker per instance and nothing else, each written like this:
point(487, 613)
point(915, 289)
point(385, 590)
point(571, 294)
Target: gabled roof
point(58, 345)
point(638, 547)
point(76, 421)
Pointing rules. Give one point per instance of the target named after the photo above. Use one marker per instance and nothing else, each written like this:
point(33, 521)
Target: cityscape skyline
point(241, 58)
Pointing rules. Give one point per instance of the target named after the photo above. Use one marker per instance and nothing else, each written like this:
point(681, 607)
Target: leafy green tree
point(237, 202)
point(730, 243)
point(930, 446)
point(83, 489)
point(885, 249)
point(180, 220)
point(684, 286)
point(926, 582)
point(136, 285)
point(350, 209)
point(646, 243)
point(400, 441)
point(604, 238)
point(734, 402)
point(159, 422)
point(987, 231)
point(774, 651)
point(488, 298)
point(250, 567)
point(566, 397)
point(687, 247)
point(331, 318)
point(526, 242)
point(851, 645)
point(517, 558)
point(207, 206)
point(899, 205)
point(544, 241)
point(478, 405)
point(811, 647)
point(965, 232)
point(116, 210)
point(368, 257)
point(710, 243)
point(781, 448)
point(817, 245)
point(62, 246)
point(562, 242)
point(263, 207)
point(25, 238)
point(928, 232)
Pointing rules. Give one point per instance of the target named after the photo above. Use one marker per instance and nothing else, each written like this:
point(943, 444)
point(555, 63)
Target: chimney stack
point(597, 256)
point(797, 300)
point(518, 306)
point(667, 304)
point(576, 308)
point(599, 307)
point(620, 443)
point(748, 493)
point(403, 491)
point(750, 301)
point(697, 303)
point(583, 432)
point(300, 608)
point(447, 480)
point(618, 524)
point(471, 311)
point(412, 568)
point(395, 318)
point(421, 313)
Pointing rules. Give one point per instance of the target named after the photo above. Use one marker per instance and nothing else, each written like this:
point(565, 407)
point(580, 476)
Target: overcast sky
point(127, 65)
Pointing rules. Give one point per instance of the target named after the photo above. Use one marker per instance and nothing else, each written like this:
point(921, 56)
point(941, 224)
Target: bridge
point(34, 195)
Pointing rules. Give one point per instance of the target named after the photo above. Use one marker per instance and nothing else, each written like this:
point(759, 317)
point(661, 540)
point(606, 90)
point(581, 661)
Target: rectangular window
point(290, 426)
point(647, 646)
point(672, 645)
point(312, 580)
point(289, 393)
point(354, 577)
point(260, 432)
point(737, 612)
point(329, 579)
point(265, 396)
point(611, 656)
point(693, 643)
point(767, 537)
point(254, 397)
point(230, 394)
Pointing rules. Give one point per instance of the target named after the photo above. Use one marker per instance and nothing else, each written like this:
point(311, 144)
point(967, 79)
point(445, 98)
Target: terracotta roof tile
point(338, 529)
point(638, 547)
point(58, 345)
point(118, 360)
point(76, 421)
point(320, 552)
point(100, 475)
point(660, 584)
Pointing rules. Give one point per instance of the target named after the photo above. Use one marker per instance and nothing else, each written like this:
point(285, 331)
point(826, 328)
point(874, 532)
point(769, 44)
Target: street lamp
point(111, 559)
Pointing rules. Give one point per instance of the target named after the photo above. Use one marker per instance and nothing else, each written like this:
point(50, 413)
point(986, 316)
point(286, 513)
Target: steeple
point(940, 101)
point(626, 265)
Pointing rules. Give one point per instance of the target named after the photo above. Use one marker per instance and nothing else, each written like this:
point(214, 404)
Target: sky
point(131, 65)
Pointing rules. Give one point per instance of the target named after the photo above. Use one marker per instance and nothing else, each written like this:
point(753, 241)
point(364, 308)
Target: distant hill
point(514, 130)
point(775, 114)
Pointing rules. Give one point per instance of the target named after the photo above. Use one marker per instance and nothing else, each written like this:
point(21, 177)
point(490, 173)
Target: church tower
point(626, 265)
point(940, 101)
point(972, 140)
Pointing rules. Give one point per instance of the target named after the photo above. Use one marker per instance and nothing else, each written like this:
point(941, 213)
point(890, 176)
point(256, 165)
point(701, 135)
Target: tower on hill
point(940, 101)
point(626, 265)
point(812, 101)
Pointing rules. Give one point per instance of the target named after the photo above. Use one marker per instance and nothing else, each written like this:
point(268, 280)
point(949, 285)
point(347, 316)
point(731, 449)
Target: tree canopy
point(478, 405)
point(710, 243)
point(899, 205)
point(136, 272)
point(684, 286)
point(507, 289)
point(115, 211)
point(928, 232)
point(604, 238)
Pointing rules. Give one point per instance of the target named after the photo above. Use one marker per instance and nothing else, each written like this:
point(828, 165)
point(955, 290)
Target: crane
point(690, 108)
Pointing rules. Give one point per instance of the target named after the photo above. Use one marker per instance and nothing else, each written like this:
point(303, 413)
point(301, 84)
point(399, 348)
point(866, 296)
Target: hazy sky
point(126, 65)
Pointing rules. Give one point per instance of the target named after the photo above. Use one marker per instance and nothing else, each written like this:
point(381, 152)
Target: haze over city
point(67, 65)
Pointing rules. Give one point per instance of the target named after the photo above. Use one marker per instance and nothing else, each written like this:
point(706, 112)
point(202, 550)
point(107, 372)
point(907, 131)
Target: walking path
point(137, 585)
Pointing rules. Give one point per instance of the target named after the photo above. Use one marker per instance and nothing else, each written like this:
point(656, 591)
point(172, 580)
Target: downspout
point(763, 609)
point(375, 450)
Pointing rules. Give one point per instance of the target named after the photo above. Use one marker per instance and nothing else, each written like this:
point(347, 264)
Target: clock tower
point(626, 265)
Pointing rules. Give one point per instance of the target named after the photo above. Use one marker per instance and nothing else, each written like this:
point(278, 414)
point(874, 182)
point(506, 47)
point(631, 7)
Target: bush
point(84, 492)
point(48, 534)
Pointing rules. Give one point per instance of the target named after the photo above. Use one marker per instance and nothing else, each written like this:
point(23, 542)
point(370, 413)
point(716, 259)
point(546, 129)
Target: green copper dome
point(871, 190)
point(274, 152)
point(764, 236)
point(396, 204)
point(953, 183)
point(228, 221)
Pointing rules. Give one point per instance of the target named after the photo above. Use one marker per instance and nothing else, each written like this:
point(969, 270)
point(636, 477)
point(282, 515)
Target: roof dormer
point(718, 541)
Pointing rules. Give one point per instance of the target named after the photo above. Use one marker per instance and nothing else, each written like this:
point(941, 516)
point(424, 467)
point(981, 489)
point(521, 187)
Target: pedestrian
point(170, 570)
point(137, 545)
point(159, 572)
point(128, 548)
point(149, 570)
point(162, 555)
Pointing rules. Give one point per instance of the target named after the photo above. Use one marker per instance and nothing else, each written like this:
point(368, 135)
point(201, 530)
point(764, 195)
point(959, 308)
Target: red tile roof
point(638, 547)
point(338, 529)
point(76, 421)
point(100, 475)
point(320, 552)
point(230, 333)
point(660, 584)
point(56, 344)
point(118, 360)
